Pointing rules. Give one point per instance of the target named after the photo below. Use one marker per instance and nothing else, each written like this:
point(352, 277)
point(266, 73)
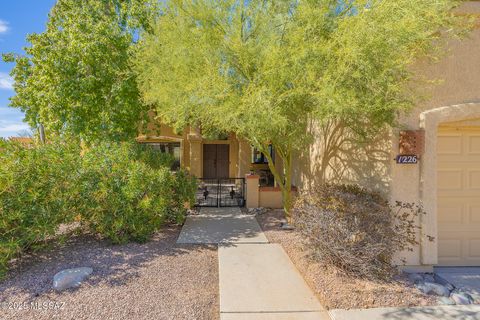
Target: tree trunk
point(285, 184)
point(287, 190)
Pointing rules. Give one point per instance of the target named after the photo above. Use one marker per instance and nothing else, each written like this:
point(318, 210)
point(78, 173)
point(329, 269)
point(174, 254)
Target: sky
point(17, 19)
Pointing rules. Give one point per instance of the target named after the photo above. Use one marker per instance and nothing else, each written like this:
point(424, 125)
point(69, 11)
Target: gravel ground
point(155, 280)
point(334, 289)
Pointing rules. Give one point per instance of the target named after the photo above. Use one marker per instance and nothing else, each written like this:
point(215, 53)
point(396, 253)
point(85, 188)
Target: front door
point(216, 161)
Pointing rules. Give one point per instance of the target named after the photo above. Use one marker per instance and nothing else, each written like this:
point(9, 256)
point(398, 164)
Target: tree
point(267, 69)
point(76, 76)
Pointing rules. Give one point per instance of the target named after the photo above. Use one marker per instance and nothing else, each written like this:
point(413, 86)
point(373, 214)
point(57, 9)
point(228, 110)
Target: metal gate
point(229, 192)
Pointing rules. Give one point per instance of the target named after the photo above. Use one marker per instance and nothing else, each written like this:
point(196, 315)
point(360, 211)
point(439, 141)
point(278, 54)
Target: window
point(172, 148)
point(259, 158)
point(260, 167)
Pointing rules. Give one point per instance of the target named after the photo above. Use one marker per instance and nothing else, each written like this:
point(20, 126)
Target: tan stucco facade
point(455, 99)
point(192, 142)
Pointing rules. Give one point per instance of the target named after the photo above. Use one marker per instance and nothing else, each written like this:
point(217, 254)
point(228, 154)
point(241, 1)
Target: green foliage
point(76, 77)
point(184, 189)
point(115, 190)
point(127, 200)
point(33, 201)
point(267, 70)
point(152, 158)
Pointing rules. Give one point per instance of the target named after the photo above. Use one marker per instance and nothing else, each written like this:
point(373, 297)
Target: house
point(22, 140)
point(433, 159)
point(221, 164)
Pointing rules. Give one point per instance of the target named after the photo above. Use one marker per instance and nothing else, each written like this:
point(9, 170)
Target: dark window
point(259, 158)
point(260, 166)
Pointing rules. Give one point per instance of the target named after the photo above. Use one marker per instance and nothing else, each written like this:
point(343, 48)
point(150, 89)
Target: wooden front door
point(216, 161)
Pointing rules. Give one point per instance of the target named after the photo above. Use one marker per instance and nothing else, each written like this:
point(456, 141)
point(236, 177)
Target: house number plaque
point(407, 159)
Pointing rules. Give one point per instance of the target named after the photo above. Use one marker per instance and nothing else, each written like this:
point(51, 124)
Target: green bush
point(125, 199)
point(119, 191)
point(151, 157)
point(184, 188)
point(33, 201)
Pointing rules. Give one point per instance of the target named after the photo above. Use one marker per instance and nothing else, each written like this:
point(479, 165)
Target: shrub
point(33, 201)
point(152, 158)
point(125, 199)
point(120, 191)
point(184, 188)
point(355, 230)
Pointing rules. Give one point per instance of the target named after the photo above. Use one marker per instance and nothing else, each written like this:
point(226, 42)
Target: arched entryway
point(450, 185)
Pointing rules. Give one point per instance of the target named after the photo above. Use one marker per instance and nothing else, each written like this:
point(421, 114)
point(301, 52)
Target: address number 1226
point(407, 159)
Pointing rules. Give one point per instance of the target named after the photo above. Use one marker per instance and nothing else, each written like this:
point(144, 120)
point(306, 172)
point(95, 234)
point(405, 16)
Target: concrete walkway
point(221, 225)
point(259, 282)
point(257, 279)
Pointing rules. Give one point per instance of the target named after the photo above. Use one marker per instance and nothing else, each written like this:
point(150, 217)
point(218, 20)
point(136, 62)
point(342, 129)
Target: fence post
point(252, 194)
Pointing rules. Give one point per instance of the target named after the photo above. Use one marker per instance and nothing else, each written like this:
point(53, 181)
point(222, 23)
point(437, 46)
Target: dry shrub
point(356, 230)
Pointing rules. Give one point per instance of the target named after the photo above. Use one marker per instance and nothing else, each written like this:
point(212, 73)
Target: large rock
point(415, 277)
point(445, 301)
point(438, 289)
point(433, 288)
point(428, 277)
point(461, 298)
point(70, 278)
point(444, 282)
point(476, 298)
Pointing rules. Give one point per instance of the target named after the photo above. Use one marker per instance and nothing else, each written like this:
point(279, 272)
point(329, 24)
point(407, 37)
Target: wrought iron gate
point(229, 192)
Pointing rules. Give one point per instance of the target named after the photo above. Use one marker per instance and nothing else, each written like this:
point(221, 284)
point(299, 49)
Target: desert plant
point(356, 230)
point(152, 158)
point(119, 191)
point(125, 198)
point(184, 188)
point(33, 197)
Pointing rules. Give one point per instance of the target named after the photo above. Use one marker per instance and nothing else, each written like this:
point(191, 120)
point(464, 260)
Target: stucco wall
point(372, 166)
point(192, 147)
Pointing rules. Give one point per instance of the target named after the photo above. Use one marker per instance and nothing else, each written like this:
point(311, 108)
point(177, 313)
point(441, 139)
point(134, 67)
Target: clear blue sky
point(17, 19)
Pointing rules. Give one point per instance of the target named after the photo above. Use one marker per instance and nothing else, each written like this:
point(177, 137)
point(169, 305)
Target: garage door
point(459, 195)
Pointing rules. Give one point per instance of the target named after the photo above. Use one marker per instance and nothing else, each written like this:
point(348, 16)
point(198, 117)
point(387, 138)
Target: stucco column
point(253, 192)
point(428, 193)
point(195, 140)
point(244, 158)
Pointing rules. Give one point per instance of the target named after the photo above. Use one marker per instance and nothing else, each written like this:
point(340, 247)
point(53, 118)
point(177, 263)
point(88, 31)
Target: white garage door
point(459, 195)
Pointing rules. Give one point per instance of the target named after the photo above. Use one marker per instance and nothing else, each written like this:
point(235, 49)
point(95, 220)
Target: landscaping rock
point(422, 287)
point(286, 226)
point(476, 298)
point(437, 289)
point(444, 282)
point(70, 278)
point(428, 277)
point(415, 277)
point(433, 288)
point(461, 298)
point(445, 301)
point(192, 212)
